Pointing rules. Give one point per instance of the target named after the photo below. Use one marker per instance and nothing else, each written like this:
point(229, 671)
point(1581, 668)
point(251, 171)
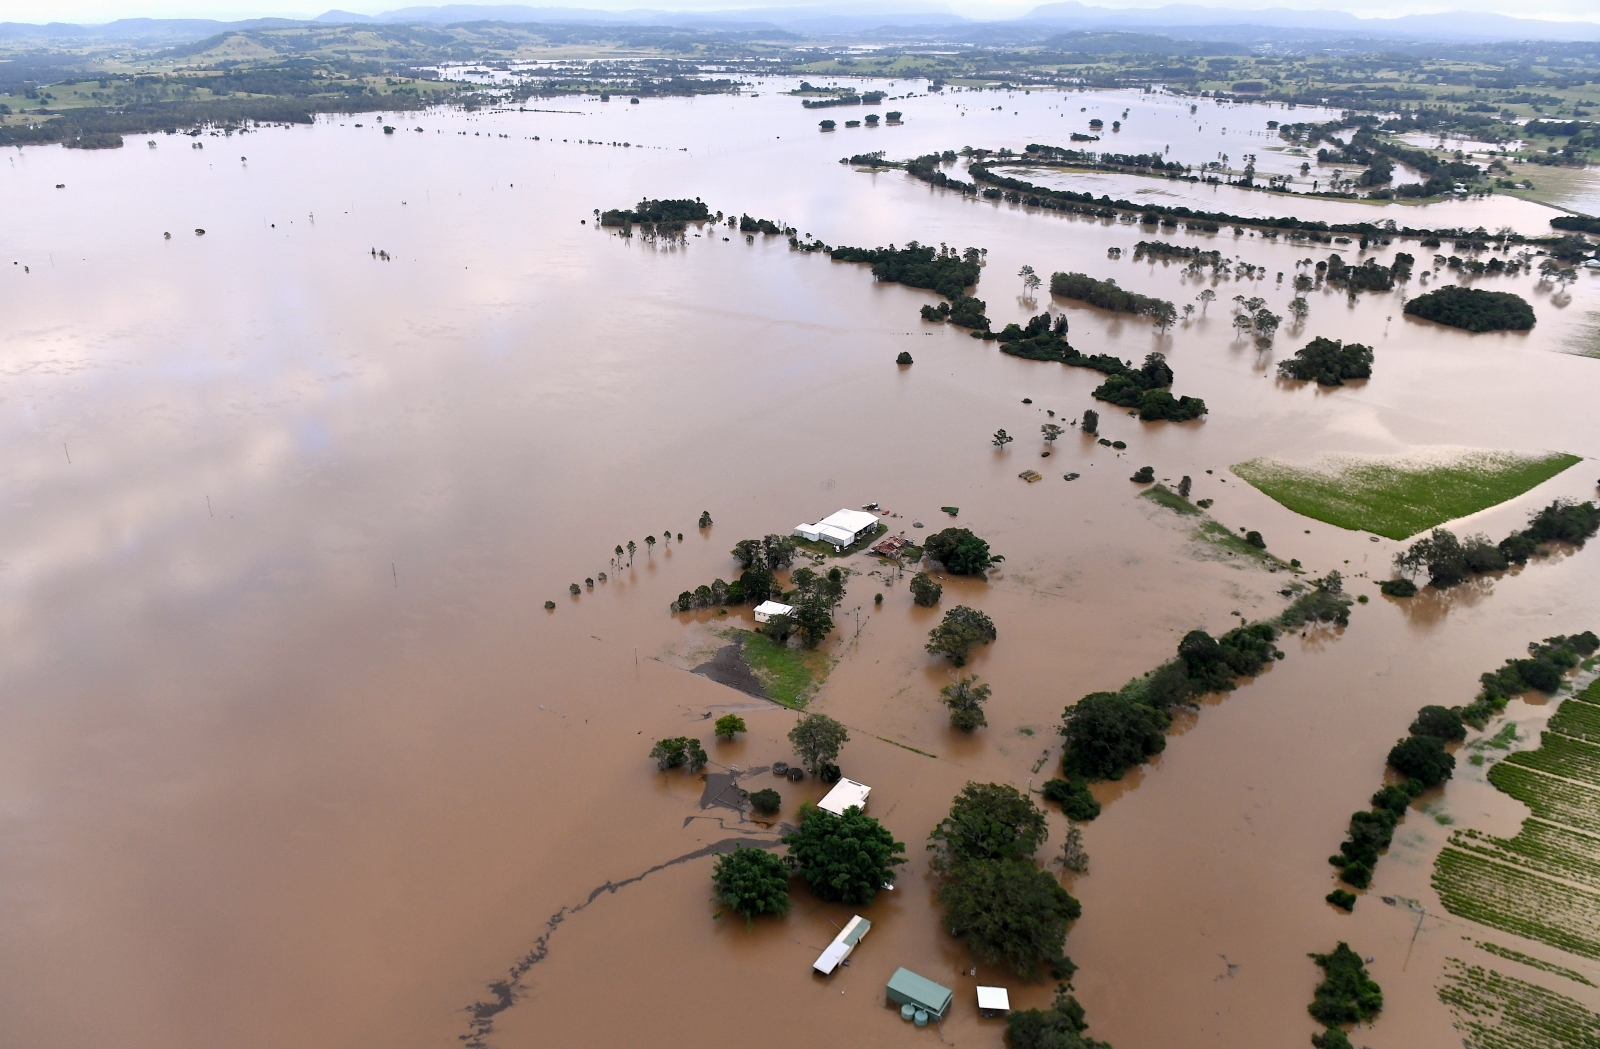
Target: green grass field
point(1400, 496)
point(791, 676)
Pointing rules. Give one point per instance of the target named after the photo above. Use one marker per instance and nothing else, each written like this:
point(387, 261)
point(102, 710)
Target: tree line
point(1448, 561)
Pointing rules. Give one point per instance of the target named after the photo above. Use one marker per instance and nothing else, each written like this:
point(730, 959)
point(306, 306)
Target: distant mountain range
point(898, 18)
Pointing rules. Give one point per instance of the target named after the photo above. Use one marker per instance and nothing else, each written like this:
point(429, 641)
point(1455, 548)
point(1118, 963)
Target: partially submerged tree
point(1010, 913)
point(817, 739)
point(1106, 732)
point(961, 552)
point(987, 821)
point(963, 630)
point(924, 591)
point(728, 724)
point(1001, 438)
point(752, 882)
point(965, 699)
point(845, 859)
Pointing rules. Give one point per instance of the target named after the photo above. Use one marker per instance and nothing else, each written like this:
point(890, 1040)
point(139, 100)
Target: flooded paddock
point(291, 752)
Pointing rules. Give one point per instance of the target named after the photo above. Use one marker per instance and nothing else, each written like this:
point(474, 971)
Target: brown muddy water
point(292, 754)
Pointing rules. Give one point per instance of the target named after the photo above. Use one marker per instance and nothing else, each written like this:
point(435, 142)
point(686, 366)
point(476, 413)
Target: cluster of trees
point(1576, 223)
point(1105, 295)
point(960, 552)
point(1447, 560)
point(671, 214)
point(1324, 602)
point(1160, 249)
point(1345, 995)
point(1422, 758)
point(1328, 362)
point(678, 752)
point(1369, 276)
point(1141, 162)
point(759, 558)
point(964, 311)
point(1472, 309)
point(1106, 732)
point(942, 269)
point(994, 896)
point(1071, 202)
point(1061, 1026)
point(750, 225)
point(1542, 671)
point(962, 630)
point(1043, 338)
point(1145, 389)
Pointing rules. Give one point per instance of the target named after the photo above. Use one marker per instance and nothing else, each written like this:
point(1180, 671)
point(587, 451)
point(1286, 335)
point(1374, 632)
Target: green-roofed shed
point(919, 992)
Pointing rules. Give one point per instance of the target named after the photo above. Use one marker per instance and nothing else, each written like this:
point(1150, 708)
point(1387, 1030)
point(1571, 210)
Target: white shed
point(993, 1000)
point(845, 793)
point(840, 528)
point(854, 932)
point(767, 609)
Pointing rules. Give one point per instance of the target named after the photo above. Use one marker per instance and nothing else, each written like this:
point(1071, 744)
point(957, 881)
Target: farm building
point(840, 528)
point(918, 994)
point(767, 609)
point(854, 932)
point(845, 793)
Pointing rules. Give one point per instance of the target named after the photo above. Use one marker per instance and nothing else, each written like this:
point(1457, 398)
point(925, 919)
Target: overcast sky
point(106, 10)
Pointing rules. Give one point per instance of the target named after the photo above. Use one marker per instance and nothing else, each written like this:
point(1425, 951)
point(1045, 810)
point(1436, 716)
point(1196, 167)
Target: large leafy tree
point(961, 552)
point(962, 630)
point(1106, 732)
point(845, 859)
point(752, 882)
point(965, 699)
point(1422, 758)
point(987, 821)
point(817, 739)
point(1010, 913)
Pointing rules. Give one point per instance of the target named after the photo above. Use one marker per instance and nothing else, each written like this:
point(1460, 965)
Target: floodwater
point(291, 752)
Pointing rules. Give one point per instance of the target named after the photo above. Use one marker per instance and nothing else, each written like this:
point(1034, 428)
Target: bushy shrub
point(1345, 901)
point(1398, 588)
point(1074, 798)
point(766, 801)
point(1144, 475)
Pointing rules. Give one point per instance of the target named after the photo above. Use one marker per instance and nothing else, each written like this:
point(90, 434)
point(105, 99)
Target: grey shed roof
point(907, 988)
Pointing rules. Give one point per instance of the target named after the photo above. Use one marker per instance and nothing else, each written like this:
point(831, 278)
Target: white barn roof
point(845, 793)
point(853, 521)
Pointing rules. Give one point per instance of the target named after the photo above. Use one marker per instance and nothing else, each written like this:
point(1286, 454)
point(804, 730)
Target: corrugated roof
point(907, 988)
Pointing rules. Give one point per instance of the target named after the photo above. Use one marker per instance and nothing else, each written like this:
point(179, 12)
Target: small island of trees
point(1105, 295)
point(1329, 362)
point(674, 214)
point(1471, 309)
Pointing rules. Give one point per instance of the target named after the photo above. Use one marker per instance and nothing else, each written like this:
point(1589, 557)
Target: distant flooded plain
point(291, 752)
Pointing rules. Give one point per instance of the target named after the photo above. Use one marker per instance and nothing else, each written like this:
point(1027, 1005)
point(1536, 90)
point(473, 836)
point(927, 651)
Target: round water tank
point(906, 1012)
point(921, 1018)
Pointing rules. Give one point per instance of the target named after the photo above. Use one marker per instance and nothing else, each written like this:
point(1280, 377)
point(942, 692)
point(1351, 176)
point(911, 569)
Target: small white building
point(993, 1001)
point(854, 932)
point(845, 793)
point(840, 528)
point(767, 609)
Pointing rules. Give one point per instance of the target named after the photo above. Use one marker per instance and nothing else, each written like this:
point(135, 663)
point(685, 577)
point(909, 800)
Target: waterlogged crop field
point(1399, 496)
point(1502, 1012)
point(1544, 883)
